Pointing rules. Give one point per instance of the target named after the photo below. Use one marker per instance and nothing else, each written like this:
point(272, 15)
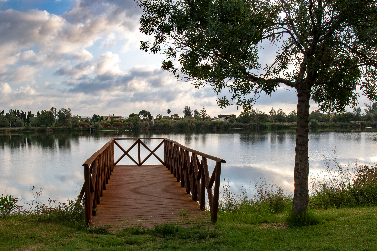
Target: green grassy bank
point(338, 229)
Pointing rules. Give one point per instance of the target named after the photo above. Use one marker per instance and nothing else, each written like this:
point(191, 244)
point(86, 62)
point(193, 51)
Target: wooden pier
point(173, 190)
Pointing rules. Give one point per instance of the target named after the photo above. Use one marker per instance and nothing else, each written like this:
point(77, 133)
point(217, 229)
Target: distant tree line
point(368, 115)
point(192, 119)
point(44, 118)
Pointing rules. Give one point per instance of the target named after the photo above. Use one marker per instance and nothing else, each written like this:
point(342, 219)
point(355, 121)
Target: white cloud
point(5, 88)
point(109, 42)
point(108, 63)
point(24, 73)
point(84, 55)
point(26, 90)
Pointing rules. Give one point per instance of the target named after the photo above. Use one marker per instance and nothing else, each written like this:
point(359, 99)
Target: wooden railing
point(193, 174)
point(97, 171)
point(182, 161)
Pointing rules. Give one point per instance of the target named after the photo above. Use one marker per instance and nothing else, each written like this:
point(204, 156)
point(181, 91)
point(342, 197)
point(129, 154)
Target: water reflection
point(53, 162)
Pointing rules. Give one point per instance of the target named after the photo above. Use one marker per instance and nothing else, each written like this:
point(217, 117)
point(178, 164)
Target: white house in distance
point(113, 117)
point(226, 117)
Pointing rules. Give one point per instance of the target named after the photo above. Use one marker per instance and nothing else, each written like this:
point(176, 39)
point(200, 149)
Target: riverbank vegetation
point(254, 120)
point(342, 215)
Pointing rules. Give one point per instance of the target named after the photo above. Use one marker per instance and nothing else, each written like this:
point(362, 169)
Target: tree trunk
point(301, 171)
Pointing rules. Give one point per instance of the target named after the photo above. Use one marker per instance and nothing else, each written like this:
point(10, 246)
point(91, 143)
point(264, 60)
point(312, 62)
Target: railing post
point(165, 152)
point(112, 154)
point(202, 185)
point(216, 192)
point(139, 152)
point(87, 194)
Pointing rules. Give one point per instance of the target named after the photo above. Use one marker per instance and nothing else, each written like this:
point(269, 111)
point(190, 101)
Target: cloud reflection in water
point(54, 162)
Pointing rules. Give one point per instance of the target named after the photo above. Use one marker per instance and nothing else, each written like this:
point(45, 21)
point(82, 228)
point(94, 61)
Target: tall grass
point(69, 214)
point(351, 185)
point(338, 186)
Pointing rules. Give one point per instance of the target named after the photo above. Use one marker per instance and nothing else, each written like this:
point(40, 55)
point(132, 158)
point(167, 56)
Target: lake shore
point(188, 125)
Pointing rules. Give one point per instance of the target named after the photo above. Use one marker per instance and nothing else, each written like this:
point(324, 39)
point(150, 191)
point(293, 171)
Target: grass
point(342, 216)
point(339, 229)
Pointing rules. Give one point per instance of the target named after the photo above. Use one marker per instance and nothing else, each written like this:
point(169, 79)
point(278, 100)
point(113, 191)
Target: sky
point(84, 55)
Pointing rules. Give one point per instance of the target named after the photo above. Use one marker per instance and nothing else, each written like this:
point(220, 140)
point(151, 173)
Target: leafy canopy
point(326, 46)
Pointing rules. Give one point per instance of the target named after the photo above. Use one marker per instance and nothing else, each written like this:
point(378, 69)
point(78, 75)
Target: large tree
point(326, 52)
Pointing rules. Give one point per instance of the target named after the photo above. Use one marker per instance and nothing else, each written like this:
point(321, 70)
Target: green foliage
point(117, 124)
point(203, 113)
point(318, 116)
point(166, 229)
point(292, 116)
point(371, 112)
point(145, 115)
point(268, 199)
point(96, 118)
point(313, 124)
point(196, 114)
point(34, 122)
point(64, 116)
point(342, 186)
point(105, 125)
point(185, 125)
point(3, 121)
point(18, 123)
point(187, 111)
point(45, 118)
point(7, 204)
point(216, 43)
point(69, 214)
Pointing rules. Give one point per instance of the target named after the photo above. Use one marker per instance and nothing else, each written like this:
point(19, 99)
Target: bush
point(117, 124)
point(105, 125)
point(3, 121)
point(7, 205)
point(70, 213)
point(268, 198)
point(342, 186)
point(86, 125)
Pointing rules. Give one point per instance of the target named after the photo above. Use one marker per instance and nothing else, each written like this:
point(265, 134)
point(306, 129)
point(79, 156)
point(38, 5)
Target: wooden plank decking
point(145, 195)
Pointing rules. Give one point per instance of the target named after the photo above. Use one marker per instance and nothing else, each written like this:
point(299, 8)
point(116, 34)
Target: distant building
point(109, 118)
point(226, 117)
point(85, 119)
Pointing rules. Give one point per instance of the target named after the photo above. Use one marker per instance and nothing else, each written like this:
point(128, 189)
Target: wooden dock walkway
point(120, 196)
point(145, 195)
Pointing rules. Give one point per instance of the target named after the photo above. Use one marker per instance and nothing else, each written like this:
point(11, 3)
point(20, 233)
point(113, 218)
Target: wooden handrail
point(182, 162)
point(97, 171)
point(193, 173)
point(197, 152)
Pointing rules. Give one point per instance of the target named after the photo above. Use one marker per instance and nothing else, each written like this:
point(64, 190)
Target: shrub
point(86, 125)
point(269, 198)
point(117, 124)
point(7, 205)
point(105, 125)
point(70, 213)
point(343, 186)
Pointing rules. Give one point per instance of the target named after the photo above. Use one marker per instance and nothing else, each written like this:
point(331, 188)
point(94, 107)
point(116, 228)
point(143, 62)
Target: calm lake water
point(53, 162)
